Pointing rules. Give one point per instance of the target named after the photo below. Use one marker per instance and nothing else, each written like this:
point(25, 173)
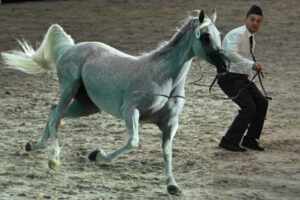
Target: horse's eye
point(205, 38)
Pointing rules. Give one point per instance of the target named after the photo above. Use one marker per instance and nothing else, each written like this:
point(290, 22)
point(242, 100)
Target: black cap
point(255, 10)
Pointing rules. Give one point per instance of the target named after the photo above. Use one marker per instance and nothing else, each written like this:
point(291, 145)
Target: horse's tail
point(55, 43)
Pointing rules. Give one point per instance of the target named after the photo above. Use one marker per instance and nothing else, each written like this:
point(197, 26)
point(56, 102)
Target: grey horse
point(148, 88)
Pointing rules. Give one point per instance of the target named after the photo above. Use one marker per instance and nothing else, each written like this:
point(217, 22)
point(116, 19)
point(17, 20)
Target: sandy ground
point(202, 170)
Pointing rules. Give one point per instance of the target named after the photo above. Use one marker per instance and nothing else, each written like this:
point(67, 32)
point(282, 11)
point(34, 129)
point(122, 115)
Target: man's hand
point(257, 67)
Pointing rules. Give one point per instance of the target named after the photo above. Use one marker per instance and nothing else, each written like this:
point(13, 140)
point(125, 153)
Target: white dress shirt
point(236, 45)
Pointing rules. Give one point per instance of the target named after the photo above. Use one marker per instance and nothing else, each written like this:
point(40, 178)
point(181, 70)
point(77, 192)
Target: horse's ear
point(201, 16)
point(213, 15)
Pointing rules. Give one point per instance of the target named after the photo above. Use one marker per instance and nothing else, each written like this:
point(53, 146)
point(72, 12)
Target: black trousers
point(253, 106)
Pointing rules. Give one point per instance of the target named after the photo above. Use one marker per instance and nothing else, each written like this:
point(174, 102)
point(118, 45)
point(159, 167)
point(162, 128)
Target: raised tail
point(55, 43)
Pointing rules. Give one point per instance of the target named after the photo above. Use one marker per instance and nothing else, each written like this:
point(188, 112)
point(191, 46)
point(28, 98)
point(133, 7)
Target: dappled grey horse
point(148, 88)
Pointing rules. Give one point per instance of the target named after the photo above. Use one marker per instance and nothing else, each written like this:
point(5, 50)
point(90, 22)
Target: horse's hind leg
point(68, 91)
point(80, 106)
point(131, 121)
point(41, 144)
point(69, 75)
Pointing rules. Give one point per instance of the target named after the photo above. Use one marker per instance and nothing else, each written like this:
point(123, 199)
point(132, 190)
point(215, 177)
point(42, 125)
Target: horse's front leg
point(169, 129)
point(131, 118)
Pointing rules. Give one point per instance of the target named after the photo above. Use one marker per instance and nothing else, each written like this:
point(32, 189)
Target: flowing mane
point(190, 23)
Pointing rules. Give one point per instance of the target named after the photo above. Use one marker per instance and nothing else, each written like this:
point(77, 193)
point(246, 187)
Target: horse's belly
point(107, 103)
point(105, 94)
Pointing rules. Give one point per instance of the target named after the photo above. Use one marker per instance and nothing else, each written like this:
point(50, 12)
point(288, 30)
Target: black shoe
point(251, 143)
point(230, 146)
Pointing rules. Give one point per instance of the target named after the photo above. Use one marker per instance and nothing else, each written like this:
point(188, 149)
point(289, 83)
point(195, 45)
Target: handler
point(239, 45)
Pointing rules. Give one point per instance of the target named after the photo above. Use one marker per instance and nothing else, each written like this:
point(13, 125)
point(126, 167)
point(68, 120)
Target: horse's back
point(94, 57)
point(92, 50)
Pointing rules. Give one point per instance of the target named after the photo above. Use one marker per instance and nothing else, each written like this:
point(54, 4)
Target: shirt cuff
point(250, 64)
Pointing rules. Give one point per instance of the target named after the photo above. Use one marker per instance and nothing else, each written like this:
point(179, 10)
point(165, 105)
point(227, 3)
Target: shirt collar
point(248, 32)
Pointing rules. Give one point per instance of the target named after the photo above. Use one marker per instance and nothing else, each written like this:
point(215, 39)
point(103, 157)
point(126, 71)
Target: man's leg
point(241, 122)
point(231, 85)
point(261, 103)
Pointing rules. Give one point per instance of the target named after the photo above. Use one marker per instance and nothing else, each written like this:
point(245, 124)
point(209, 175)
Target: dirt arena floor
point(202, 170)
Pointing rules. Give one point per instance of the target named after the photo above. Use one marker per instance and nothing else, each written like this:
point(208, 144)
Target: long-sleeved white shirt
point(236, 45)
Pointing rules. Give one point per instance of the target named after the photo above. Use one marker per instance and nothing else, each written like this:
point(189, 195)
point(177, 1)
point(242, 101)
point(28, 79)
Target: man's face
point(253, 22)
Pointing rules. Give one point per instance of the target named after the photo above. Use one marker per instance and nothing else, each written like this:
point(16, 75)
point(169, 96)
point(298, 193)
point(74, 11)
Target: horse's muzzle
point(223, 65)
point(220, 60)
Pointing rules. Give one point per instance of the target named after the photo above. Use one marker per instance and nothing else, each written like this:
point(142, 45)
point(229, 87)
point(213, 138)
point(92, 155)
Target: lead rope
point(214, 81)
point(230, 98)
point(259, 73)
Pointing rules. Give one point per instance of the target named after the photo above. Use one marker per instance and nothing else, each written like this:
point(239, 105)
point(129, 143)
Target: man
point(239, 45)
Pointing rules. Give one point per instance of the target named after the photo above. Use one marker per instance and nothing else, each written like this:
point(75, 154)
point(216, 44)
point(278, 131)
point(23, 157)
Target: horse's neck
point(178, 60)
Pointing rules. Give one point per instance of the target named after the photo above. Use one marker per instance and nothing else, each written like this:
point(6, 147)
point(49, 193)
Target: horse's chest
point(164, 108)
point(151, 103)
point(159, 103)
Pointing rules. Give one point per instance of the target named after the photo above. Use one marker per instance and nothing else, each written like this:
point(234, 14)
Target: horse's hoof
point(53, 164)
point(173, 190)
point(93, 155)
point(28, 147)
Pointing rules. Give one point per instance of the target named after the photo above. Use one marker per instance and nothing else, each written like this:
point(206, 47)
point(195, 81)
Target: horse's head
point(207, 43)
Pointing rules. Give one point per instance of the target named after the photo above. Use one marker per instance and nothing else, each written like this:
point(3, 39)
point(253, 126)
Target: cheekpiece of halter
point(197, 33)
